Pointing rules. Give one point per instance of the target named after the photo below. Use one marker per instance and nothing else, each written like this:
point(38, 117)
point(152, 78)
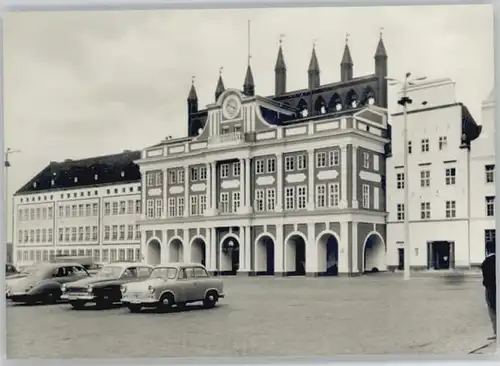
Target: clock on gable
point(231, 107)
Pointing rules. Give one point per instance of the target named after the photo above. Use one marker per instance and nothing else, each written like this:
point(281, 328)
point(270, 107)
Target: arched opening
point(320, 106)
point(154, 252)
point(198, 251)
point(302, 108)
point(374, 254)
point(328, 254)
point(176, 251)
point(195, 127)
point(352, 99)
point(264, 256)
point(230, 259)
point(368, 96)
point(296, 255)
point(335, 103)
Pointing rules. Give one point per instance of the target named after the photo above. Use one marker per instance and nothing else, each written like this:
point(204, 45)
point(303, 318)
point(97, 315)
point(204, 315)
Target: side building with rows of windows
point(86, 207)
point(288, 184)
point(440, 133)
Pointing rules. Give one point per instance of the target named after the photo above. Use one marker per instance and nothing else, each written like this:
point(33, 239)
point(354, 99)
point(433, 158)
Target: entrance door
point(401, 258)
point(441, 255)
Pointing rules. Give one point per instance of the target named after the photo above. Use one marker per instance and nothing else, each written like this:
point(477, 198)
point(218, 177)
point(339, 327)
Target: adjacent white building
point(482, 224)
point(80, 207)
point(440, 131)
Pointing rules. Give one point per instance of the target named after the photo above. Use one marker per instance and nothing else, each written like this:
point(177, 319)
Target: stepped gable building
point(287, 184)
point(80, 207)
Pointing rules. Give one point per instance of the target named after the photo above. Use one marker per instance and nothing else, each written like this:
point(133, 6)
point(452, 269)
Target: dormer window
point(96, 177)
point(122, 174)
point(304, 112)
point(338, 107)
point(200, 130)
point(371, 100)
point(75, 179)
point(225, 130)
point(322, 110)
point(34, 184)
point(237, 129)
point(354, 103)
point(52, 182)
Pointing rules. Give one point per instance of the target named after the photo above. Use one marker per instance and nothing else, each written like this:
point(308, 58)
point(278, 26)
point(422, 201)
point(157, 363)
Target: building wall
point(74, 222)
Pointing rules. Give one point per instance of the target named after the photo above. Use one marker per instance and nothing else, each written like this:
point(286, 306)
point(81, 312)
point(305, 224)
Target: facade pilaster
point(343, 177)
point(143, 198)
point(186, 245)
point(187, 180)
point(165, 253)
point(165, 194)
point(213, 177)
point(279, 183)
point(310, 189)
point(248, 188)
point(343, 257)
point(279, 254)
point(208, 210)
point(311, 252)
point(355, 203)
point(213, 250)
point(354, 259)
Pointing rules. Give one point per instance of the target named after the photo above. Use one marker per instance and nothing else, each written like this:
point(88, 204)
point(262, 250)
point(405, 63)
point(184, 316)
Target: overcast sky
point(90, 83)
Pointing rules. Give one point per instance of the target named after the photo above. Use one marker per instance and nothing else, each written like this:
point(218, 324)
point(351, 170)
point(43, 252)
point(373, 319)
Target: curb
point(484, 346)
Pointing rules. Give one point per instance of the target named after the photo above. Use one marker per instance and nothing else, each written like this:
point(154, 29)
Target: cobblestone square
point(269, 317)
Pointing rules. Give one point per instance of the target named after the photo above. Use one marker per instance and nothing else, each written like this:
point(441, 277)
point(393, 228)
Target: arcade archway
point(176, 250)
point(264, 255)
point(328, 254)
point(296, 255)
point(374, 253)
point(230, 255)
point(198, 251)
point(154, 252)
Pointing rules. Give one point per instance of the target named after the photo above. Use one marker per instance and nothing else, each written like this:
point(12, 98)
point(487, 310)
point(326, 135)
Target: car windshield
point(164, 272)
point(38, 271)
point(110, 272)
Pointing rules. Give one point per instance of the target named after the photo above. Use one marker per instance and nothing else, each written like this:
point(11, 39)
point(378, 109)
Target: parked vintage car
point(43, 282)
point(174, 284)
point(103, 288)
point(11, 270)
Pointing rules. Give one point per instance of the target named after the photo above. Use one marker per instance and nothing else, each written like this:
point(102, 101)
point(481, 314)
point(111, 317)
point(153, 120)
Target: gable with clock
point(231, 107)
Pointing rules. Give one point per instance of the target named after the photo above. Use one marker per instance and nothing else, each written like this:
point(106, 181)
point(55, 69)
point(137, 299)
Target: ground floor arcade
point(300, 248)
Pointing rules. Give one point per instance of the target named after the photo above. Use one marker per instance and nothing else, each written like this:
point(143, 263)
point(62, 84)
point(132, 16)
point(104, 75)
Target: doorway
point(401, 259)
point(440, 255)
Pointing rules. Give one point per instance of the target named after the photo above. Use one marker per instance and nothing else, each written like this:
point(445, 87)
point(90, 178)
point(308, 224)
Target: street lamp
point(404, 101)
point(7, 165)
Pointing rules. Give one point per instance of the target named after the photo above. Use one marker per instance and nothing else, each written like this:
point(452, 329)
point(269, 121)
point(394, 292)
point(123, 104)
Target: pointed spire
point(346, 57)
point(248, 85)
point(192, 92)
point(280, 61)
point(381, 51)
point(220, 85)
point(313, 63)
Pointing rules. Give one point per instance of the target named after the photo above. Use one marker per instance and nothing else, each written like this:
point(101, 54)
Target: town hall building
point(287, 184)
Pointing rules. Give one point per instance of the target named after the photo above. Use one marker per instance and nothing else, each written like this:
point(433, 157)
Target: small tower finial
point(347, 35)
point(193, 78)
point(220, 70)
point(314, 43)
point(282, 36)
point(381, 32)
point(249, 54)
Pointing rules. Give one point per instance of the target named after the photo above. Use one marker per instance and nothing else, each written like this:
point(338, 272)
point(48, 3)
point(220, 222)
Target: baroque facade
point(288, 184)
point(85, 207)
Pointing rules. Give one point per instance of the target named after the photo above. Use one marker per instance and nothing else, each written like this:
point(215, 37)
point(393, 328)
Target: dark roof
point(100, 170)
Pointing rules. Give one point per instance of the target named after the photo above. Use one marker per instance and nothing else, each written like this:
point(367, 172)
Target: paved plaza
point(269, 317)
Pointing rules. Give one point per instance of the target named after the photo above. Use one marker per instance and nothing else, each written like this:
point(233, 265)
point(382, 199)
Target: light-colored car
point(173, 284)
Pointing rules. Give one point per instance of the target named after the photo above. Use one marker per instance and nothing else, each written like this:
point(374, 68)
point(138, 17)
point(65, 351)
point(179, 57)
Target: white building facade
point(483, 178)
point(83, 207)
point(440, 132)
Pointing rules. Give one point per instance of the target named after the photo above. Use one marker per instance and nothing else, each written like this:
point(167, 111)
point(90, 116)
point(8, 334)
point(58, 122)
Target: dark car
point(43, 282)
point(11, 270)
point(103, 288)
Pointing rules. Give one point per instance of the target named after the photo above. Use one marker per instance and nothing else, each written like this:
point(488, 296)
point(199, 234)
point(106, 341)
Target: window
point(425, 210)
point(443, 142)
point(400, 211)
point(450, 176)
point(94, 233)
point(137, 232)
point(366, 196)
point(172, 177)
point(138, 206)
point(67, 233)
point(425, 178)
point(320, 159)
point(74, 209)
point(97, 255)
point(158, 178)
point(320, 196)
point(236, 169)
point(180, 176)
point(289, 163)
point(301, 162)
point(138, 256)
point(180, 206)
point(112, 255)
point(490, 206)
point(87, 233)
point(107, 208)
point(451, 209)
point(333, 158)
point(193, 205)
point(114, 232)
point(122, 207)
point(115, 208)
point(301, 197)
point(376, 162)
point(202, 171)
point(67, 209)
point(489, 235)
point(49, 235)
point(203, 204)
point(81, 210)
point(224, 170)
point(150, 179)
point(270, 199)
point(95, 209)
point(224, 202)
point(376, 198)
point(80, 233)
point(259, 200)
point(151, 209)
point(50, 213)
point(271, 165)
point(259, 166)
point(172, 207)
point(38, 213)
point(61, 235)
point(400, 180)
point(122, 232)
point(61, 211)
point(236, 202)
point(366, 160)
point(73, 234)
point(44, 213)
point(489, 171)
point(130, 232)
point(130, 207)
point(105, 255)
point(424, 145)
point(289, 198)
point(44, 235)
point(194, 174)
point(333, 194)
point(158, 207)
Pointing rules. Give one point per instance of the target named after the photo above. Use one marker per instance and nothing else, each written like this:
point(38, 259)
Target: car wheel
point(134, 308)
point(166, 302)
point(77, 304)
point(210, 299)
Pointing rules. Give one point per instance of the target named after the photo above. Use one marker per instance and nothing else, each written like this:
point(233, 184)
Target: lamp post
point(7, 165)
point(404, 101)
